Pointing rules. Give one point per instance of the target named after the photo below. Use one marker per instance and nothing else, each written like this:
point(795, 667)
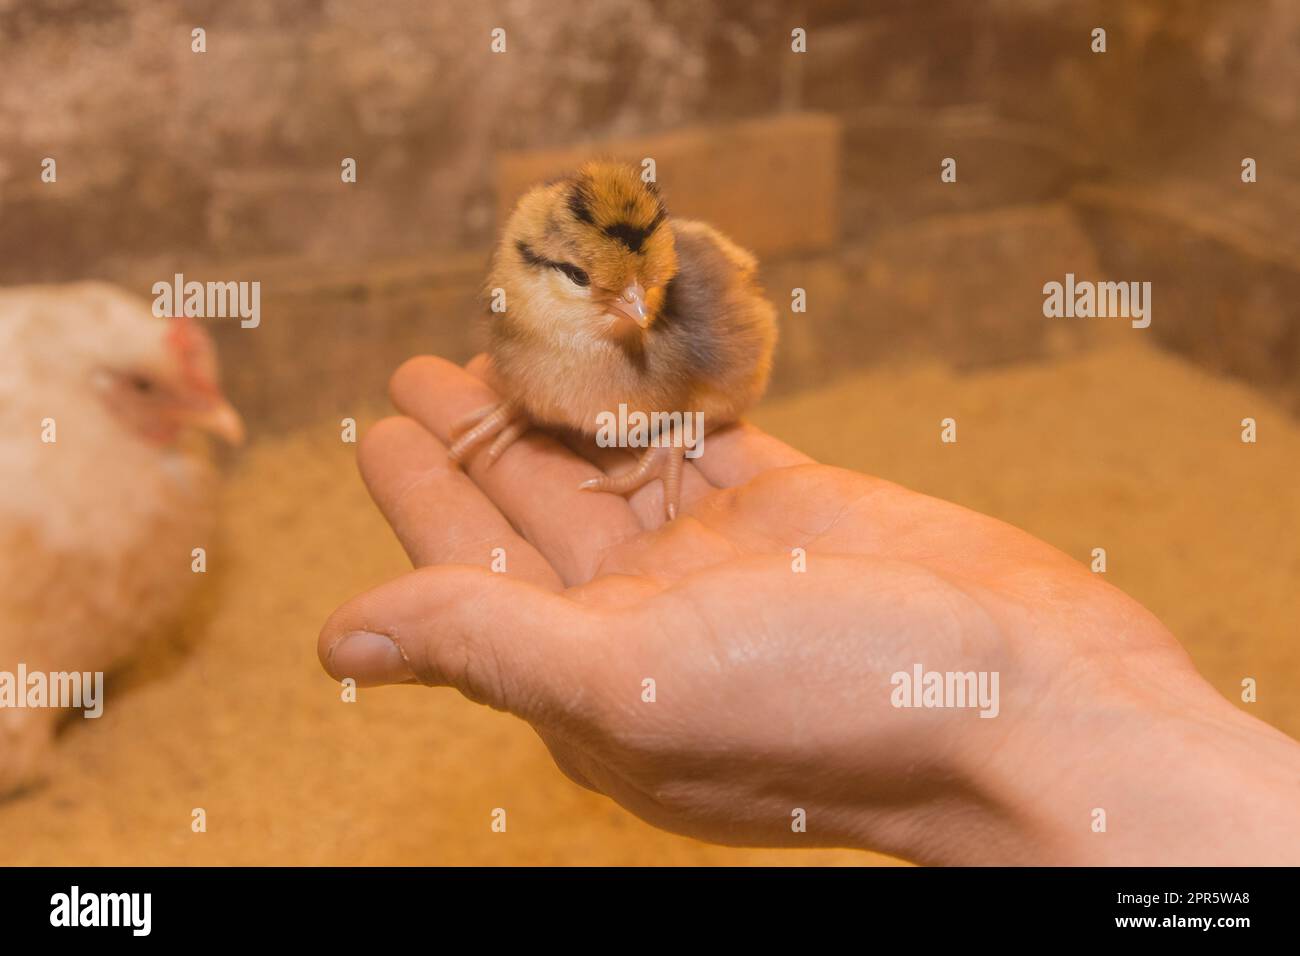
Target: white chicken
point(105, 488)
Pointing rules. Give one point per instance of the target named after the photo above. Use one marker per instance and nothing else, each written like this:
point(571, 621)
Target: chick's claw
point(503, 421)
point(665, 463)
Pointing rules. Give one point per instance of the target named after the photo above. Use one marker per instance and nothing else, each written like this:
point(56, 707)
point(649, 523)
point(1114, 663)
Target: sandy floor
point(1126, 449)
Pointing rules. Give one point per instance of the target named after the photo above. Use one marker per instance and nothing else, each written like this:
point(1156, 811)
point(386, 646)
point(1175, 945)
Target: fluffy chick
point(97, 527)
point(608, 301)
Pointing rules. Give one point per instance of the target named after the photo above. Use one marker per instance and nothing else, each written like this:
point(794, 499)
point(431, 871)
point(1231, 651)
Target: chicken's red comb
point(195, 353)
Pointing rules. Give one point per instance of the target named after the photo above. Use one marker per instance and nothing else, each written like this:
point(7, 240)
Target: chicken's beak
point(216, 417)
point(630, 303)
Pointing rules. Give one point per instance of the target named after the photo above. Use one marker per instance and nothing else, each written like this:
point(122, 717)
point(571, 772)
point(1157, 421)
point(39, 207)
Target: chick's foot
point(502, 422)
point(665, 463)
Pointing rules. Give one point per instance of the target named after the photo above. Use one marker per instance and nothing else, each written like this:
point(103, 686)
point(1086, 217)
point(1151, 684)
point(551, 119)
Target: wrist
point(1157, 771)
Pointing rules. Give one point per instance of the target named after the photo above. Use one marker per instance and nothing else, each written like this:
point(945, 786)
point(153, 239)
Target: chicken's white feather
point(96, 527)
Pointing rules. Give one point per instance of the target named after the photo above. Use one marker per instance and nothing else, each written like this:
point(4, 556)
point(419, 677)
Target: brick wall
point(226, 164)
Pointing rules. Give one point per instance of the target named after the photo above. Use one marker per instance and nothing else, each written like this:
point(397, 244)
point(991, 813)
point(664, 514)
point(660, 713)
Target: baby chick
point(610, 302)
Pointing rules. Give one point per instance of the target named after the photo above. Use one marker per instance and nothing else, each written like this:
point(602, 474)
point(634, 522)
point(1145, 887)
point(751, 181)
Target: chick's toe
point(665, 463)
point(503, 420)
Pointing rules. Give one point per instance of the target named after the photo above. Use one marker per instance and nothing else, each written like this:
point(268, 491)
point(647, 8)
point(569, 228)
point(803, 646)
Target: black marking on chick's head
point(526, 253)
point(576, 275)
point(579, 205)
point(634, 236)
point(614, 199)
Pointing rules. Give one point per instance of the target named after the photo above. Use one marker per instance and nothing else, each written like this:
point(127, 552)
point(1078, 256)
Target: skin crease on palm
point(773, 687)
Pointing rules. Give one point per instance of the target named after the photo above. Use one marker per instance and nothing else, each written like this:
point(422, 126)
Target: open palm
point(729, 671)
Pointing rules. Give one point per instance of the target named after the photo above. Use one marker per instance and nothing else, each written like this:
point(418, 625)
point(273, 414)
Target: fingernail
point(369, 658)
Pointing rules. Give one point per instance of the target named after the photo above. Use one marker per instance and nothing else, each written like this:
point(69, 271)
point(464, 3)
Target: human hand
point(773, 685)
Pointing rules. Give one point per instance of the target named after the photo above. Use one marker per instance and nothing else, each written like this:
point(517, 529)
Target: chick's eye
point(140, 385)
point(576, 275)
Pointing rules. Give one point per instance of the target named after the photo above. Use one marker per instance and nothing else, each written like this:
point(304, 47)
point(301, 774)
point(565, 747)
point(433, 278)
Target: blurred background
point(924, 301)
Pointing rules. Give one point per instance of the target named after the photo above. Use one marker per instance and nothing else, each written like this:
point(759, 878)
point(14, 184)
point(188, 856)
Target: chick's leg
point(503, 422)
point(506, 437)
point(463, 424)
point(665, 463)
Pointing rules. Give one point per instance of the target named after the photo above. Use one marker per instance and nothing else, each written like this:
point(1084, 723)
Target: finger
point(505, 643)
point(739, 452)
point(534, 482)
point(480, 366)
point(436, 511)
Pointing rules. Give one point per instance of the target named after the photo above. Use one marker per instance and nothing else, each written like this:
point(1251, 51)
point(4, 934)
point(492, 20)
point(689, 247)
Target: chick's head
point(593, 250)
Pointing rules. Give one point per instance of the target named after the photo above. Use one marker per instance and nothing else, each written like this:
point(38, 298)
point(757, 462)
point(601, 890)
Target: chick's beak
point(216, 416)
point(630, 303)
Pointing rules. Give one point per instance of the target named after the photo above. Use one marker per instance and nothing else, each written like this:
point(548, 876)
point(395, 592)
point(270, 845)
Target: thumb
point(498, 640)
